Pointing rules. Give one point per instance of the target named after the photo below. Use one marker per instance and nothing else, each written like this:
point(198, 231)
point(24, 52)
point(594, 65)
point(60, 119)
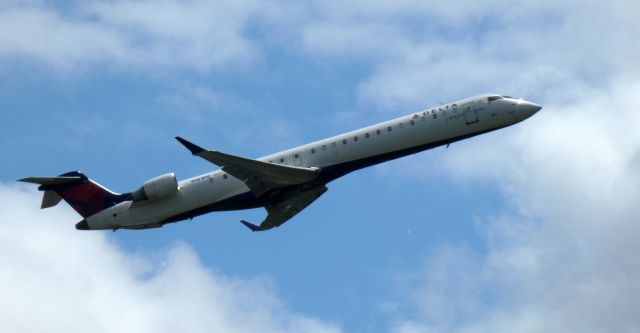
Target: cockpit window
point(509, 97)
point(493, 98)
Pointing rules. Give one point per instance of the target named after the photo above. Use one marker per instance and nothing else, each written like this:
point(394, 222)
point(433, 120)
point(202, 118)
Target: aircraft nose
point(528, 107)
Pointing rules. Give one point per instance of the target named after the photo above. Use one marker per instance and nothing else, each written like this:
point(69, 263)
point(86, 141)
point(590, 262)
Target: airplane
point(283, 183)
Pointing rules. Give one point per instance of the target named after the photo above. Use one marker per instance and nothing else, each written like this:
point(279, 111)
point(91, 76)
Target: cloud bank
point(197, 35)
point(430, 51)
point(561, 255)
point(56, 279)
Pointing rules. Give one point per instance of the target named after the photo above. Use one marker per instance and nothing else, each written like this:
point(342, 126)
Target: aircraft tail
point(81, 193)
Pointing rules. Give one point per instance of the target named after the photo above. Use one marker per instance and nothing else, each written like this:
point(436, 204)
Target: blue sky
point(511, 231)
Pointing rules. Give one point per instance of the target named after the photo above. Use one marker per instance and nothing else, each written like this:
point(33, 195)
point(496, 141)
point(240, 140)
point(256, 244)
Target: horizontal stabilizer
point(50, 199)
point(50, 180)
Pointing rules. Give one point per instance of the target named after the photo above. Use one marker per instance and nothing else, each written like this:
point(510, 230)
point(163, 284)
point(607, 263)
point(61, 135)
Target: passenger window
point(389, 129)
point(282, 160)
point(344, 142)
point(313, 150)
point(324, 147)
point(366, 135)
point(333, 145)
point(355, 138)
point(412, 122)
point(224, 176)
point(377, 132)
point(296, 156)
point(401, 125)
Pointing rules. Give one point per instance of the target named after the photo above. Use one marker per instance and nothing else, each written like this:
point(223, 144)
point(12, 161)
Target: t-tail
point(81, 193)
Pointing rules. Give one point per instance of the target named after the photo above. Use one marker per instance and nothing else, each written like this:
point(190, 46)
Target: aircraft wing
point(259, 176)
point(282, 211)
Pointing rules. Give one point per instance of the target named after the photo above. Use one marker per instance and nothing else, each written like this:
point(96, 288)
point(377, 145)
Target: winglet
point(250, 225)
point(193, 148)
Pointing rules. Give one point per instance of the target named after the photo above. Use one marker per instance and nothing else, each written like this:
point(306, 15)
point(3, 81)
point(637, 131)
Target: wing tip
point(193, 148)
point(250, 225)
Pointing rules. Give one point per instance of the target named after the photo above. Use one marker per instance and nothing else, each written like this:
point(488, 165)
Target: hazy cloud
point(56, 279)
point(426, 51)
point(197, 34)
point(561, 255)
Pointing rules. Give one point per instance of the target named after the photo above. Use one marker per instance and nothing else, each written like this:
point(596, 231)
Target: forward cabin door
point(470, 113)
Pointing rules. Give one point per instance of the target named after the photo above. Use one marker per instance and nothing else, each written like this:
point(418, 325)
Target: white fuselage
point(337, 155)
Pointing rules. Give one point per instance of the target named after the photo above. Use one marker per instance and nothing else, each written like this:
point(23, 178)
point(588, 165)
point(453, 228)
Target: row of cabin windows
point(344, 141)
point(355, 138)
point(366, 135)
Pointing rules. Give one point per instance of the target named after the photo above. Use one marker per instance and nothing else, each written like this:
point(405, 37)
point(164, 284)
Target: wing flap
point(259, 176)
point(285, 175)
point(281, 212)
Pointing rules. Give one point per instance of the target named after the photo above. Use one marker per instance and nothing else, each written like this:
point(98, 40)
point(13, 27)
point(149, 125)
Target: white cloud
point(562, 255)
point(420, 50)
point(423, 51)
point(198, 34)
point(57, 279)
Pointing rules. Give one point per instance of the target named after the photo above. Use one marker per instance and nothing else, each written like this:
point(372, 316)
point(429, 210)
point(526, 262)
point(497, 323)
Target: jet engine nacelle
point(157, 188)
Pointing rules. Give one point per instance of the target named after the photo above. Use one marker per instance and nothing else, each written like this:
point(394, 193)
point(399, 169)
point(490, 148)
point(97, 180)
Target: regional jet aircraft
point(283, 183)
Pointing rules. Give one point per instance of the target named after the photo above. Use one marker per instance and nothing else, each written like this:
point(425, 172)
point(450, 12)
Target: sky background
point(531, 228)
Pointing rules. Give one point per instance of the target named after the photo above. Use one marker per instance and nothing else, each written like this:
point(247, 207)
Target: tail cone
point(82, 225)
